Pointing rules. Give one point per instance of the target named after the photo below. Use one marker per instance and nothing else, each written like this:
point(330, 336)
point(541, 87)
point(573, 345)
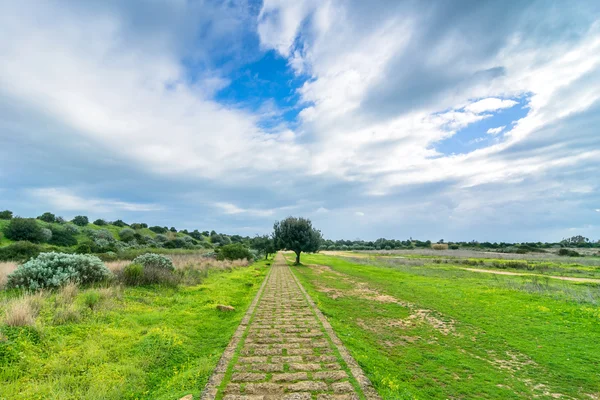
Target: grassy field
point(428, 330)
point(153, 342)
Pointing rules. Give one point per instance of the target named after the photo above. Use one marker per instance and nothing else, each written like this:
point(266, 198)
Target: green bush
point(100, 222)
point(47, 217)
point(80, 220)
point(132, 274)
point(19, 251)
point(568, 253)
point(62, 237)
point(52, 270)
point(24, 229)
point(46, 235)
point(83, 248)
point(6, 214)
point(158, 229)
point(153, 260)
point(91, 299)
point(454, 247)
point(127, 234)
point(119, 223)
point(235, 251)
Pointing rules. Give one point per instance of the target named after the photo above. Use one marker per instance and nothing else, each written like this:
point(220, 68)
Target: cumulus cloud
point(123, 95)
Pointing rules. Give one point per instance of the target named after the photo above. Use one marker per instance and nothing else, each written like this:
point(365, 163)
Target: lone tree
point(298, 235)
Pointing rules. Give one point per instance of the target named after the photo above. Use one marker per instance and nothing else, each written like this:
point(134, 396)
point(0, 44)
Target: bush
point(52, 270)
point(152, 260)
point(440, 246)
point(72, 229)
point(91, 299)
point(20, 251)
point(119, 223)
point(454, 247)
point(568, 253)
point(132, 274)
point(46, 235)
point(158, 229)
point(6, 214)
point(81, 220)
point(160, 238)
point(177, 243)
point(83, 248)
point(127, 234)
point(235, 251)
point(62, 237)
point(47, 217)
point(100, 222)
point(24, 229)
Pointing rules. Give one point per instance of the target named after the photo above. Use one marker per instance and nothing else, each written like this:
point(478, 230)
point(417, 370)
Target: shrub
point(66, 315)
point(160, 238)
point(24, 229)
point(454, 247)
point(20, 251)
point(6, 214)
point(60, 220)
point(132, 274)
point(47, 217)
point(127, 234)
point(235, 251)
point(46, 235)
point(152, 260)
point(158, 229)
point(100, 222)
point(119, 223)
point(62, 237)
point(80, 220)
point(72, 229)
point(568, 253)
point(177, 243)
point(51, 270)
point(440, 246)
point(83, 248)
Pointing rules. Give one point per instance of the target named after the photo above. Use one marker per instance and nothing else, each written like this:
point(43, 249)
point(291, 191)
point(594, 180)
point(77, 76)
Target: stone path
point(290, 351)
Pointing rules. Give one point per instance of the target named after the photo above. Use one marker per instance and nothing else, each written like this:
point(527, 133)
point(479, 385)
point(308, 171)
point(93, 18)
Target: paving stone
point(285, 335)
point(342, 387)
point(330, 375)
point(307, 386)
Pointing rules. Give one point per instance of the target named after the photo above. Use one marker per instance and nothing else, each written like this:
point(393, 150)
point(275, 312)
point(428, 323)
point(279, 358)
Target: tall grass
point(23, 310)
point(5, 269)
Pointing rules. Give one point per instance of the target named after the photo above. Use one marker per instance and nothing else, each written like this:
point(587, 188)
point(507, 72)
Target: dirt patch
point(562, 278)
point(361, 290)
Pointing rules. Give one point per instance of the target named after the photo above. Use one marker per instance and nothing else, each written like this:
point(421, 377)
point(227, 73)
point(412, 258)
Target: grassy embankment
point(438, 331)
point(152, 342)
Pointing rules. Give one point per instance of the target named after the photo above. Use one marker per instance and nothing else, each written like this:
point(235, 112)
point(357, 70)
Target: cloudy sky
point(458, 120)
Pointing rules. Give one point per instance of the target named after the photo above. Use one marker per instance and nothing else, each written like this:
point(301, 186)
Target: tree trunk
point(297, 258)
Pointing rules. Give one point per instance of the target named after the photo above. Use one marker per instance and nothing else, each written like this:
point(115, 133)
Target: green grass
point(480, 336)
point(151, 343)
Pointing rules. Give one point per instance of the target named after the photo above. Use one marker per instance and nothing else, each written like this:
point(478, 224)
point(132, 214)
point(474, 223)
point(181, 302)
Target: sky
point(463, 120)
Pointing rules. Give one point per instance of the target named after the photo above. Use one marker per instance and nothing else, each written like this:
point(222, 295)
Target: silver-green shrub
point(46, 234)
point(51, 270)
point(152, 260)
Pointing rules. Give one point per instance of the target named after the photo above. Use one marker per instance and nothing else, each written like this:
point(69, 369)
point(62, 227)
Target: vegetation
point(53, 270)
point(24, 229)
point(114, 342)
point(297, 235)
point(6, 214)
point(427, 330)
point(234, 251)
point(80, 220)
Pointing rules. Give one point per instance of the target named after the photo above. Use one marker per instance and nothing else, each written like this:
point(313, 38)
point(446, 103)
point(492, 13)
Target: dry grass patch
point(23, 310)
point(5, 269)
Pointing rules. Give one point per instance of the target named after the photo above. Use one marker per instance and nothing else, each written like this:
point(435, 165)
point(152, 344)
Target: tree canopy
point(297, 235)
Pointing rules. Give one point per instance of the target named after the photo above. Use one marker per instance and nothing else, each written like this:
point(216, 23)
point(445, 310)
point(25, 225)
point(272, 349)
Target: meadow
point(110, 341)
point(424, 326)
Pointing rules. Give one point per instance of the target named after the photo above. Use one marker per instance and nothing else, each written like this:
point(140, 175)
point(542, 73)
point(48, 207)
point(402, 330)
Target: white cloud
point(232, 209)
point(66, 200)
point(495, 131)
point(360, 213)
point(490, 104)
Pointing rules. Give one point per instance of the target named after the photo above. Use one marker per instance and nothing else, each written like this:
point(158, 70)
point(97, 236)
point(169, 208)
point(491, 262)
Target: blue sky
point(468, 120)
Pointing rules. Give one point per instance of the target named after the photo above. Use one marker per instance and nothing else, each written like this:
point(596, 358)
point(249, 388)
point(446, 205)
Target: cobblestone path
point(290, 351)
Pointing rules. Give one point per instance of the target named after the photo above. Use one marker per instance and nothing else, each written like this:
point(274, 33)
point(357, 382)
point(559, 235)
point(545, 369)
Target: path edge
point(212, 386)
point(364, 382)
